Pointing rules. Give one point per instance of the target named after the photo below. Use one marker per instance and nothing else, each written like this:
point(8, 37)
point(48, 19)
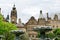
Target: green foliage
point(38, 35)
point(24, 36)
point(57, 31)
point(57, 38)
point(9, 36)
point(51, 35)
point(1, 17)
point(5, 28)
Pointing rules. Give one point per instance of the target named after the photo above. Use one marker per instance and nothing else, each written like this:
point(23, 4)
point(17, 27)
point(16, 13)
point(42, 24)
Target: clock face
point(12, 19)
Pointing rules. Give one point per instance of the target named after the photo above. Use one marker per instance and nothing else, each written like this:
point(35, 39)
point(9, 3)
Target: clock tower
point(14, 15)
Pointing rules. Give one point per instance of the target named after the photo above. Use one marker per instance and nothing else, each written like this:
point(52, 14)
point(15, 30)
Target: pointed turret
point(47, 16)
point(56, 17)
point(41, 19)
point(41, 15)
point(14, 7)
point(7, 18)
point(40, 11)
point(19, 20)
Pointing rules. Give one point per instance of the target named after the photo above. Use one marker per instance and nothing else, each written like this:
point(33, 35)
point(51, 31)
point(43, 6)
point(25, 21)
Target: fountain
point(1, 36)
point(17, 33)
point(42, 30)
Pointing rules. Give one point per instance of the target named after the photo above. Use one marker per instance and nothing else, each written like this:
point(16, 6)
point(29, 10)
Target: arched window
point(32, 35)
point(57, 26)
point(53, 26)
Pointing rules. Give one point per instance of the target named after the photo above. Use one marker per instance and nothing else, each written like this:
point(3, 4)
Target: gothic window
point(57, 26)
point(32, 35)
point(53, 26)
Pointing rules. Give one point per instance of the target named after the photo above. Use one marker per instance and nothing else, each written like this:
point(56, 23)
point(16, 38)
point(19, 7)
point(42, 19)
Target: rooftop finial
point(14, 5)
point(41, 15)
point(40, 11)
point(47, 16)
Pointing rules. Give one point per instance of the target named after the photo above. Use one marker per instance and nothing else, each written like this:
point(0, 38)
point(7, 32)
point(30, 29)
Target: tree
point(24, 36)
point(38, 35)
point(5, 28)
point(51, 35)
point(1, 17)
point(57, 31)
point(56, 39)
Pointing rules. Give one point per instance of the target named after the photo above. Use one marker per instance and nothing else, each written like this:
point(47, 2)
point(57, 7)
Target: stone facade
point(14, 15)
point(32, 22)
point(41, 22)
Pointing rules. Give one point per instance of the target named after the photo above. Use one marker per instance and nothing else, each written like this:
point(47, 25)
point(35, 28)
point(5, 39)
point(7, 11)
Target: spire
point(7, 18)
point(40, 11)
point(41, 15)
point(19, 20)
point(14, 7)
point(56, 17)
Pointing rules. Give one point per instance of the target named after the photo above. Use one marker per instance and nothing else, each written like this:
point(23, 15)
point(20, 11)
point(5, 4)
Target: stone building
point(32, 22)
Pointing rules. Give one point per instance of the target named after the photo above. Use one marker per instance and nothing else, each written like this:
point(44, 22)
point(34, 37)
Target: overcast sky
point(28, 8)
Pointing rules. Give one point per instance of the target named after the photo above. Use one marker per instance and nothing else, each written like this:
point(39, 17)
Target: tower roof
point(55, 17)
point(14, 7)
point(41, 15)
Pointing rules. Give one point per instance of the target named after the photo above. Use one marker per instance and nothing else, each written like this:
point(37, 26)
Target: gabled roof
point(32, 21)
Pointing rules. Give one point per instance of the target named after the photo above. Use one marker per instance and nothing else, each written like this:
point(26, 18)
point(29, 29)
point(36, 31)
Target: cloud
point(28, 8)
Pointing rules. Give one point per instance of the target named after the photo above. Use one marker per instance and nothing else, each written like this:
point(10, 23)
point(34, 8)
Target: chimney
point(19, 20)
point(47, 16)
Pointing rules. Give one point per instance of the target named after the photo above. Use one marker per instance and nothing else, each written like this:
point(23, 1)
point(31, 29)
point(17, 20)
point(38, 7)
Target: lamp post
point(42, 30)
point(17, 33)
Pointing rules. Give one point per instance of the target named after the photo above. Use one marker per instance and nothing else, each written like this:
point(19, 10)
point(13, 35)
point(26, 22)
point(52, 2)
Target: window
point(57, 26)
point(32, 35)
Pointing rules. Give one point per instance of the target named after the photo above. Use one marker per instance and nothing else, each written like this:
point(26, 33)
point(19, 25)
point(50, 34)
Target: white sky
point(28, 8)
